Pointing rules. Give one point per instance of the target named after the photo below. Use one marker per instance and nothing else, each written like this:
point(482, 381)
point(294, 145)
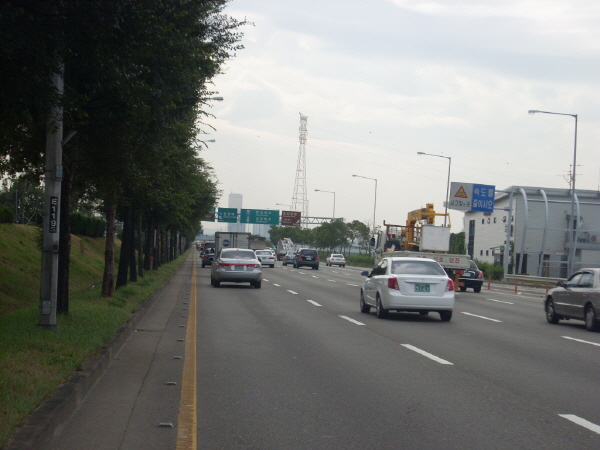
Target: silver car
point(577, 298)
point(237, 265)
point(266, 257)
point(288, 258)
point(407, 284)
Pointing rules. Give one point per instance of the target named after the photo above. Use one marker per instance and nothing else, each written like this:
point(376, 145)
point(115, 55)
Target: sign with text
point(229, 215)
point(260, 216)
point(290, 218)
point(53, 224)
point(210, 216)
point(472, 197)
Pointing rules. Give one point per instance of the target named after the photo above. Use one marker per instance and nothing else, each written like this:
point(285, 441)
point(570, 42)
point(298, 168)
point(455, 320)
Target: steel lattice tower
point(299, 200)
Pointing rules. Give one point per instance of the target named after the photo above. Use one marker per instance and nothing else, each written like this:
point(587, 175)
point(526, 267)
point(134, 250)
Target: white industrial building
point(235, 201)
point(537, 221)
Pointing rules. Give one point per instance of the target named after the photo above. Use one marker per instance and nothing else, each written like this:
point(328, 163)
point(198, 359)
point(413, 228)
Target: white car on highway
point(407, 284)
point(266, 257)
point(336, 259)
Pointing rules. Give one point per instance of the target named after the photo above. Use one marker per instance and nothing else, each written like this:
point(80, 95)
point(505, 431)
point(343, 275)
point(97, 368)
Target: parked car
point(471, 278)
point(266, 257)
point(577, 298)
point(407, 284)
point(306, 257)
point(288, 258)
point(208, 256)
point(336, 259)
point(237, 265)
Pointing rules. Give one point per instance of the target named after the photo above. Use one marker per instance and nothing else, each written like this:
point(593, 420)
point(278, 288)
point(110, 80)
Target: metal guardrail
point(518, 278)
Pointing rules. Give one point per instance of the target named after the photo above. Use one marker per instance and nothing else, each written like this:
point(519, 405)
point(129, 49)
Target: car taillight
point(480, 274)
point(393, 283)
point(299, 256)
point(224, 265)
point(317, 258)
point(449, 285)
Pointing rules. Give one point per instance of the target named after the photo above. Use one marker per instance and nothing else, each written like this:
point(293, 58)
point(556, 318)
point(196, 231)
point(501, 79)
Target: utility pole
point(50, 234)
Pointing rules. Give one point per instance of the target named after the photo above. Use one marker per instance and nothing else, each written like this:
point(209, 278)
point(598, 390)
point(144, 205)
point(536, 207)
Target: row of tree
point(336, 235)
point(137, 80)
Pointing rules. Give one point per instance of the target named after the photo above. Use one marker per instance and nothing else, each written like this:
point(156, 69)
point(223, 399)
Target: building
point(235, 201)
point(537, 221)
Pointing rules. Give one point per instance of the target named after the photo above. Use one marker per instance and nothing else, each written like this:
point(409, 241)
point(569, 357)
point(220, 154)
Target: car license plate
point(239, 267)
point(421, 288)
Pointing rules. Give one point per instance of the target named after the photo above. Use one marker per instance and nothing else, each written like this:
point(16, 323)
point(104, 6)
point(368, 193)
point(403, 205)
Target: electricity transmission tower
point(299, 200)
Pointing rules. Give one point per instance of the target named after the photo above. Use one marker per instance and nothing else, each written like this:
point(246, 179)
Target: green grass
point(33, 361)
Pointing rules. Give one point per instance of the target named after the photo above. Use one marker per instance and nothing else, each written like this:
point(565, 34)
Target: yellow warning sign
point(461, 193)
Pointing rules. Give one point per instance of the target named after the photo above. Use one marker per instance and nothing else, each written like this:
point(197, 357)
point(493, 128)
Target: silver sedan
point(237, 265)
point(576, 298)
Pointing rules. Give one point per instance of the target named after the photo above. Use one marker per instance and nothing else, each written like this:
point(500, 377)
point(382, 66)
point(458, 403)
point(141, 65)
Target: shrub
point(7, 215)
point(492, 271)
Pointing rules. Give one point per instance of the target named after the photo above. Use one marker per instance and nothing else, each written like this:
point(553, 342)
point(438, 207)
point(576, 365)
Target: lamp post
point(572, 234)
point(374, 203)
point(331, 192)
point(447, 183)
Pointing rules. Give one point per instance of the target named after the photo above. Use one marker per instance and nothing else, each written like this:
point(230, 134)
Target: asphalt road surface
point(296, 365)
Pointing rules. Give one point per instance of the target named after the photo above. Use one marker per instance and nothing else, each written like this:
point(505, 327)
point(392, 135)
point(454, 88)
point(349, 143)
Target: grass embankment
point(33, 361)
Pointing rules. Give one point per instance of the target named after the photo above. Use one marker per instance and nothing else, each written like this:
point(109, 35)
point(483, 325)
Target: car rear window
point(308, 252)
point(417, 268)
point(238, 254)
point(337, 256)
point(263, 252)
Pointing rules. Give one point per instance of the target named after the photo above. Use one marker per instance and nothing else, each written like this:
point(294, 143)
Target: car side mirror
point(365, 273)
point(561, 283)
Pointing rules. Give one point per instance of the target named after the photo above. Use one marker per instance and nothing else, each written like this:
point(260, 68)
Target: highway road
point(296, 365)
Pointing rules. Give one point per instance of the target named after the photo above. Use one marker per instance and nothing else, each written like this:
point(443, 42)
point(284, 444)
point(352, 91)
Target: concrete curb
point(47, 420)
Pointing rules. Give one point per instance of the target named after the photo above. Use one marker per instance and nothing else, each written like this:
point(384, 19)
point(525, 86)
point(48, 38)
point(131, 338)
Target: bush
point(361, 260)
point(490, 270)
point(7, 215)
point(87, 226)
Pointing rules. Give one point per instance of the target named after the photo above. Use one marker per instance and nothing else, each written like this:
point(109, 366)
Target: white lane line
point(580, 340)
point(292, 292)
point(278, 285)
point(333, 281)
point(352, 320)
point(579, 421)
point(428, 355)
point(264, 279)
point(499, 301)
point(481, 317)
point(314, 276)
point(355, 285)
point(313, 302)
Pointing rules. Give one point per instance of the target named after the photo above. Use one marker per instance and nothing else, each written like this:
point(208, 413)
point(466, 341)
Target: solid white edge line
point(582, 422)
point(352, 320)
point(313, 302)
point(481, 317)
point(428, 355)
point(581, 340)
point(292, 292)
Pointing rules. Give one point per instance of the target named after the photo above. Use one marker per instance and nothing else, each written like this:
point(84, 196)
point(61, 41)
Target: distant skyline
point(383, 80)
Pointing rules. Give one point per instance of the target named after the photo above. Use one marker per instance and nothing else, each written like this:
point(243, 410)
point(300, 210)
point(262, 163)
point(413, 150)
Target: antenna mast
point(299, 200)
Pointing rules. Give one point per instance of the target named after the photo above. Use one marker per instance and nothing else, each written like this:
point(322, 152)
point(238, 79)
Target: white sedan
point(266, 257)
point(407, 284)
point(336, 259)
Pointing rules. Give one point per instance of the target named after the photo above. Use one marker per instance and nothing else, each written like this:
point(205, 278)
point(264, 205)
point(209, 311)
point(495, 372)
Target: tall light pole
point(572, 233)
point(374, 203)
point(447, 183)
point(331, 192)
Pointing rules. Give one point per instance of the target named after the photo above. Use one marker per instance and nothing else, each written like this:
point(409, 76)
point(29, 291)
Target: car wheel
point(344, 265)
point(591, 321)
point(316, 267)
point(477, 289)
point(364, 308)
point(462, 288)
point(203, 266)
point(551, 315)
point(445, 316)
point(272, 266)
point(257, 284)
point(216, 283)
point(380, 310)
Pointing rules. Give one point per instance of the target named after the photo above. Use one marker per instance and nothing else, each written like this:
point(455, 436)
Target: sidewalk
point(121, 397)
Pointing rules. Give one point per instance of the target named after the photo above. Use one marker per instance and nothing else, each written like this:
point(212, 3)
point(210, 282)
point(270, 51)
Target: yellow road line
point(188, 418)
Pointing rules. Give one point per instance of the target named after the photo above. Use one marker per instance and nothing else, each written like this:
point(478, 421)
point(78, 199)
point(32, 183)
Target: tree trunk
point(109, 252)
point(132, 259)
point(140, 245)
point(64, 243)
point(126, 243)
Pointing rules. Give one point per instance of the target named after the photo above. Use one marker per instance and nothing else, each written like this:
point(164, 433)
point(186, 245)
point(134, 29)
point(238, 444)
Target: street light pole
point(447, 183)
point(331, 192)
point(573, 232)
point(375, 202)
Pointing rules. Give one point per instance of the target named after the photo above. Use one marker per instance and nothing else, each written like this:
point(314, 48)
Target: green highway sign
point(260, 216)
point(229, 215)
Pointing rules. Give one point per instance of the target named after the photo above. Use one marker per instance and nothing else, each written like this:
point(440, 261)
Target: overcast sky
point(383, 80)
